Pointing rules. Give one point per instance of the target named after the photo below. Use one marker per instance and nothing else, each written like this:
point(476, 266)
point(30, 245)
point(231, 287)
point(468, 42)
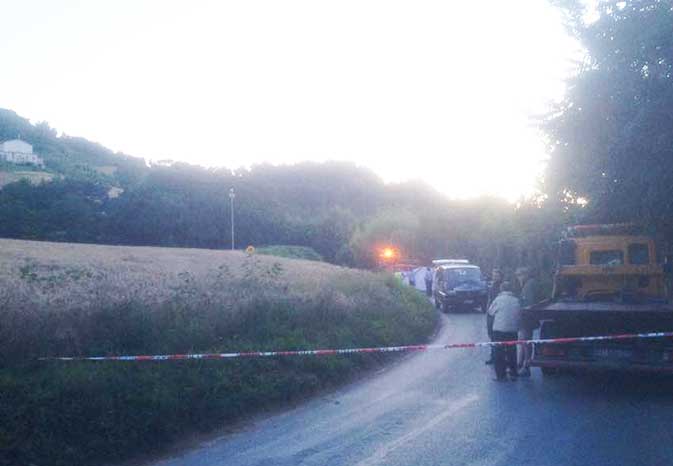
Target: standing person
point(412, 278)
point(493, 290)
point(529, 296)
point(506, 310)
point(497, 278)
point(428, 281)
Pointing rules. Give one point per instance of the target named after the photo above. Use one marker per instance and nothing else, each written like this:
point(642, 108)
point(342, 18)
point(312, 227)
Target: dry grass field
point(75, 299)
point(62, 277)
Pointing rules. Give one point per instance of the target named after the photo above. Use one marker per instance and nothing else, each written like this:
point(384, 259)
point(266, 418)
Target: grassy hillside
point(34, 177)
point(58, 298)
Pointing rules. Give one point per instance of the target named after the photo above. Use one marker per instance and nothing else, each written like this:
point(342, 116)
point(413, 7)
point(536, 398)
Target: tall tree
point(612, 137)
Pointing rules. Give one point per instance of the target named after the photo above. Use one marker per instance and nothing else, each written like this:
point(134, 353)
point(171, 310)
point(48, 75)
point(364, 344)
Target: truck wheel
point(549, 371)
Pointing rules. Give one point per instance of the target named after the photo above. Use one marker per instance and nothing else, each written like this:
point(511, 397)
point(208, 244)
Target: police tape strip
point(327, 352)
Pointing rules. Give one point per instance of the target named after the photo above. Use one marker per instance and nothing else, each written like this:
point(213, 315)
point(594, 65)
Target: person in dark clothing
point(497, 278)
point(428, 281)
point(493, 290)
point(530, 294)
point(505, 356)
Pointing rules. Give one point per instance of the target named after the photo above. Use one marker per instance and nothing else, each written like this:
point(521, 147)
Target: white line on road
point(383, 451)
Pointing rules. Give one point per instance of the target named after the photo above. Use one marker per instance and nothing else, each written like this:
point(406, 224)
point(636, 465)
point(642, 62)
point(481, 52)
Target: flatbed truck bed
point(558, 319)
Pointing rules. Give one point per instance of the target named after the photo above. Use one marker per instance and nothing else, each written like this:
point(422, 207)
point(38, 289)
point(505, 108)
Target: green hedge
point(291, 252)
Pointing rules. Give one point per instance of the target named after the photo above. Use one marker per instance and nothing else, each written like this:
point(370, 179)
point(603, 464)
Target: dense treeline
point(343, 212)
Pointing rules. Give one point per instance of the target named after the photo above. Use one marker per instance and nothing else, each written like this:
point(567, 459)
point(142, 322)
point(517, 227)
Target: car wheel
point(446, 308)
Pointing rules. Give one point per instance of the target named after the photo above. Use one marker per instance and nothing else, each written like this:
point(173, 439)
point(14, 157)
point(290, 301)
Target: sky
point(445, 92)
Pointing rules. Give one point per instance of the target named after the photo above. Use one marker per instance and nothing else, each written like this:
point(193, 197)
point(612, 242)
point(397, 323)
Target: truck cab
point(597, 266)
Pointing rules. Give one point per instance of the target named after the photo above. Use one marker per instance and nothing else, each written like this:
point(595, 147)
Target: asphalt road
point(443, 408)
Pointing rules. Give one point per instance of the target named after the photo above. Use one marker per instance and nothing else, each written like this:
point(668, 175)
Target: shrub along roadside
point(291, 252)
point(87, 413)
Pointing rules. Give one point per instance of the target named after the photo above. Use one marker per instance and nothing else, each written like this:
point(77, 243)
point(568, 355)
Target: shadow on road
point(616, 385)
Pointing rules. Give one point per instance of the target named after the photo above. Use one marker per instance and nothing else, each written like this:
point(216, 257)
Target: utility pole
point(232, 195)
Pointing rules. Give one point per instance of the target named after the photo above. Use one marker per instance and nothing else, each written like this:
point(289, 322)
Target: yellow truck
point(609, 280)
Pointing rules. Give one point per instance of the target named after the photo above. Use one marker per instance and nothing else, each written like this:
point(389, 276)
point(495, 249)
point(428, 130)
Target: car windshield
point(459, 276)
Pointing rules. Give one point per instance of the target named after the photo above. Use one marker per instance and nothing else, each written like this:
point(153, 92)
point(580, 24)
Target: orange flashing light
point(388, 253)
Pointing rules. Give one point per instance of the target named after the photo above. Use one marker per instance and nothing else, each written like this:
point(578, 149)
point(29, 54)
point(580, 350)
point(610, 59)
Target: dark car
point(459, 287)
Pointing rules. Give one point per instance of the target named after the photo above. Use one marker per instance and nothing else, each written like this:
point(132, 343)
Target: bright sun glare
point(444, 92)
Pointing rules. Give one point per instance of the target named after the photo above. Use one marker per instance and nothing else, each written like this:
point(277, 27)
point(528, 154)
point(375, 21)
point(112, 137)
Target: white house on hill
point(20, 152)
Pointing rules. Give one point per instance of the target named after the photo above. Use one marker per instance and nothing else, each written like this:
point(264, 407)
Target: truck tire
point(549, 371)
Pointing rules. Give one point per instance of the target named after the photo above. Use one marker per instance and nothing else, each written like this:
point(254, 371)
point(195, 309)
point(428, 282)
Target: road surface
point(443, 408)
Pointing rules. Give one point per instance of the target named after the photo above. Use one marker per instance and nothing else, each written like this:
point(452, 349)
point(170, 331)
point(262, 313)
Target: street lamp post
point(232, 195)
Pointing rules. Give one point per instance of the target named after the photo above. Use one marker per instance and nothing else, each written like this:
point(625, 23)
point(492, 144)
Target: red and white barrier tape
point(325, 352)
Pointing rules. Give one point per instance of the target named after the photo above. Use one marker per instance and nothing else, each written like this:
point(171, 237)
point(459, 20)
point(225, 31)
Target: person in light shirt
point(506, 311)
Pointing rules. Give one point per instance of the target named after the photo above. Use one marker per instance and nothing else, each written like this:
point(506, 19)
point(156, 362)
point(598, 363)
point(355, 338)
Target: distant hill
point(72, 157)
